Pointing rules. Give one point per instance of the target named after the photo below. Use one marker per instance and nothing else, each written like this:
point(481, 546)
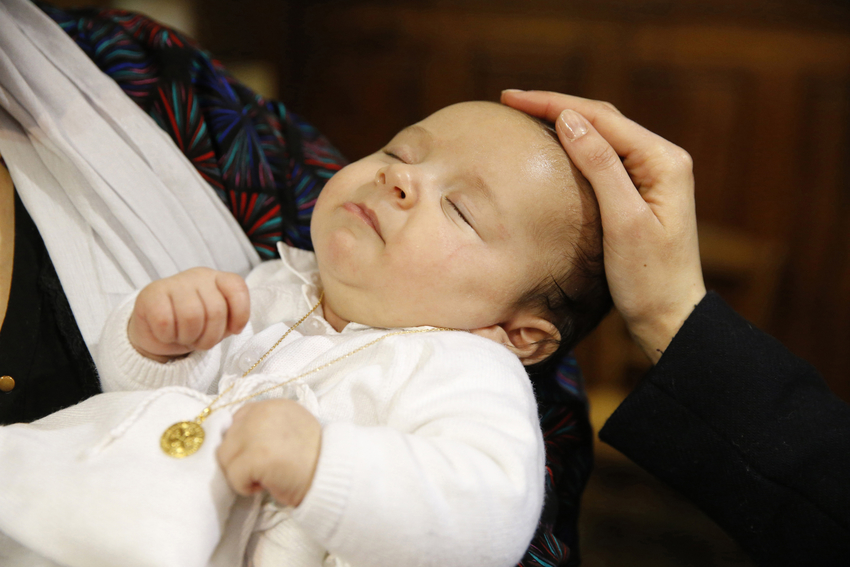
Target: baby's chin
point(380, 315)
point(353, 300)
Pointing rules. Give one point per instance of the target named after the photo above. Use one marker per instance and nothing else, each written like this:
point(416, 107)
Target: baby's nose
point(400, 180)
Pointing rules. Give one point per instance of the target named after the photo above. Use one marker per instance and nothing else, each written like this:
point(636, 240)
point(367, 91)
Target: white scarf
point(117, 203)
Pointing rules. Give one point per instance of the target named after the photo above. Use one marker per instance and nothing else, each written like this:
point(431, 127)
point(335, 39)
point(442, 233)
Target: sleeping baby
point(366, 404)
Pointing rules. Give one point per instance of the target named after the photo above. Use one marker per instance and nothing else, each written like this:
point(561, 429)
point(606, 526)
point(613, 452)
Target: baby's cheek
point(338, 253)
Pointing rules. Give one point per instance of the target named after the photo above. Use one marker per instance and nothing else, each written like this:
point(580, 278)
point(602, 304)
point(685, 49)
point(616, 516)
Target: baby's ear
point(530, 337)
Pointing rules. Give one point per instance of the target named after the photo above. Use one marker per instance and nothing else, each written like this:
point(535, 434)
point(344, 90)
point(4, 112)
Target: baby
point(384, 404)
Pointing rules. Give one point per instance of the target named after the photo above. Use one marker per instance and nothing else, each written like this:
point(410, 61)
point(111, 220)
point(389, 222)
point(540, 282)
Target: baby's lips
point(367, 215)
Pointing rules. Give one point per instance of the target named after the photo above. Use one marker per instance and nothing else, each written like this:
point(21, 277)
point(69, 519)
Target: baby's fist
point(192, 310)
point(272, 445)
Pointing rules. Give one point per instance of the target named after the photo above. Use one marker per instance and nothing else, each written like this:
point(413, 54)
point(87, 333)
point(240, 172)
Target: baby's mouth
point(365, 214)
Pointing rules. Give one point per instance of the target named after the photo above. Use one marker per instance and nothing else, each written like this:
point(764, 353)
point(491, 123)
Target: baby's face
point(446, 225)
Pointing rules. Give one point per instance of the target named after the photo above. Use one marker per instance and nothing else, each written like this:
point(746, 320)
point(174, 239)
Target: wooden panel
point(815, 314)
point(226, 28)
point(81, 4)
point(772, 62)
point(807, 14)
point(369, 89)
point(523, 67)
point(765, 115)
point(708, 113)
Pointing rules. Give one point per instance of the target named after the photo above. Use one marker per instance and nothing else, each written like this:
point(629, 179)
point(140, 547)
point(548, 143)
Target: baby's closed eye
point(458, 211)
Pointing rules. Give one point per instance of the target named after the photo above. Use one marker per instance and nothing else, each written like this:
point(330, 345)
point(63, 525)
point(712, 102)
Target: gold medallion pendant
point(182, 439)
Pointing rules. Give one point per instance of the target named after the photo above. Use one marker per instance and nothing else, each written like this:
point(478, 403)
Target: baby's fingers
point(215, 314)
point(190, 317)
point(234, 290)
point(234, 456)
point(240, 474)
point(153, 318)
point(214, 307)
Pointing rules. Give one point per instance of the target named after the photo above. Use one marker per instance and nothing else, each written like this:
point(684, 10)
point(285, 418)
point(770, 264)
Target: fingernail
point(513, 91)
point(573, 124)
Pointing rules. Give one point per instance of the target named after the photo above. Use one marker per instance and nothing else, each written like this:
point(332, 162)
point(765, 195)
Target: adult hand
point(645, 188)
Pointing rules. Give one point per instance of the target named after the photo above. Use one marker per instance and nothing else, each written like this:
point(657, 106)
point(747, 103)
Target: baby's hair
point(574, 295)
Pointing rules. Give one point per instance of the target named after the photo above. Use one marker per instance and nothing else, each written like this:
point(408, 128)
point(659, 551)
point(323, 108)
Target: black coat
point(750, 433)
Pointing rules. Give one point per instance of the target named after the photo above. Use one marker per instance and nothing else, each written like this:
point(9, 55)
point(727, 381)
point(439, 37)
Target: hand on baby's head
point(192, 310)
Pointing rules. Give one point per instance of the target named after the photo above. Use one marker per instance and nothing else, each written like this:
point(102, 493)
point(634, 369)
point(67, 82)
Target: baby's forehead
point(488, 121)
point(503, 146)
point(477, 129)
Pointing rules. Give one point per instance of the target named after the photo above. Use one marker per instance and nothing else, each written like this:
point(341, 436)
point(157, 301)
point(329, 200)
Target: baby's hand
point(272, 445)
point(192, 310)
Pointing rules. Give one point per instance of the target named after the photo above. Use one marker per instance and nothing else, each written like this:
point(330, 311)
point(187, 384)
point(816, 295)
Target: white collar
point(302, 264)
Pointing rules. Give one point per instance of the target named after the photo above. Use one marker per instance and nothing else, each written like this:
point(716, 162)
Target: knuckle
point(611, 107)
point(602, 157)
point(230, 283)
point(217, 311)
point(678, 159)
point(199, 270)
point(162, 327)
point(231, 278)
point(683, 158)
point(190, 325)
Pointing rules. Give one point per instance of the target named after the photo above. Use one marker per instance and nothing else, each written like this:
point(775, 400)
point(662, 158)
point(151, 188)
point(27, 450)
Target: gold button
point(7, 383)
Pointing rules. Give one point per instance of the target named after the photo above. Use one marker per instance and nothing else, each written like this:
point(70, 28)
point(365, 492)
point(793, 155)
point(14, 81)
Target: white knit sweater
point(431, 447)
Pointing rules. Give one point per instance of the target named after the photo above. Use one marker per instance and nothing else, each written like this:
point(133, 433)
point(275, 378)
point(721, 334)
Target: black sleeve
point(750, 433)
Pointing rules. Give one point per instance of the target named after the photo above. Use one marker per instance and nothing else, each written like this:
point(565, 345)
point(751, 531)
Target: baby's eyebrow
point(424, 136)
point(480, 188)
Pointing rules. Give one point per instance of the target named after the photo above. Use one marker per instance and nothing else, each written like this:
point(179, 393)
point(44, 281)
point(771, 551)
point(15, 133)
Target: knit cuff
point(122, 367)
point(324, 505)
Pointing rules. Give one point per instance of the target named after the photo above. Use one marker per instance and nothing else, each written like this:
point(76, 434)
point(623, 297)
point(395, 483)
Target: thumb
point(600, 164)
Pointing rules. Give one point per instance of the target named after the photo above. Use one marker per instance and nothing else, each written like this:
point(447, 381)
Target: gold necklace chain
point(209, 409)
point(186, 437)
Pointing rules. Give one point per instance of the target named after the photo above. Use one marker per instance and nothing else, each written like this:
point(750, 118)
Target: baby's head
point(475, 219)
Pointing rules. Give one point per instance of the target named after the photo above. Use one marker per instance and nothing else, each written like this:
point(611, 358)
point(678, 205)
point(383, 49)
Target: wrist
point(157, 357)
point(312, 459)
point(654, 332)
